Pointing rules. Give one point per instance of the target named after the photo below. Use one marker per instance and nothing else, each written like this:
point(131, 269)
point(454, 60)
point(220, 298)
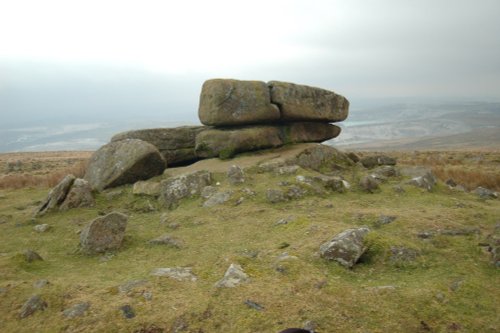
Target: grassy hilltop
point(444, 283)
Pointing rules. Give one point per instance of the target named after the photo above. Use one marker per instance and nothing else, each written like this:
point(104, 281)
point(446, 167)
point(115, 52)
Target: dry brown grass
point(470, 179)
point(22, 180)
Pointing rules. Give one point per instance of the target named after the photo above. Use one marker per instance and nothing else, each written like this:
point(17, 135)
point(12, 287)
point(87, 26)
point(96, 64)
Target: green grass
point(291, 291)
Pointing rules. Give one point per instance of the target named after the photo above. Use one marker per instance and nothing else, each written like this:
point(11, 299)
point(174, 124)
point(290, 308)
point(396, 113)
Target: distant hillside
point(422, 126)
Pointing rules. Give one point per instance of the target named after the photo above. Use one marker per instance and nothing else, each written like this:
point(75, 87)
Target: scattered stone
point(310, 326)
point(254, 305)
point(304, 103)
point(104, 233)
point(368, 184)
point(208, 191)
point(79, 196)
point(285, 256)
point(218, 199)
point(285, 220)
point(373, 161)
point(226, 102)
point(354, 157)
point(335, 184)
point(401, 254)
point(398, 189)
point(427, 181)
point(323, 158)
point(41, 283)
point(295, 192)
point(183, 186)
point(451, 183)
point(41, 228)
point(127, 311)
point(56, 196)
point(31, 256)
point(346, 247)
point(33, 304)
point(271, 166)
point(146, 187)
point(287, 170)
point(235, 175)
point(233, 277)
point(167, 240)
point(440, 297)
point(112, 195)
point(386, 219)
point(426, 234)
point(485, 193)
point(455, 285)
point(239, 201)
point(176, 273)
point(176, 145)
point(77, 310)
point(131, 285)
point(283, 245)
point(461, 232)
point(275, 196)
point(386, 171)
point(124, 162)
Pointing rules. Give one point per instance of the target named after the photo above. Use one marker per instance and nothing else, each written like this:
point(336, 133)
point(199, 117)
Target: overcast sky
point(102, 57)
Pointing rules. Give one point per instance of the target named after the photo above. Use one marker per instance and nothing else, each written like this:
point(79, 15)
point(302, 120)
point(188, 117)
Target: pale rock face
point(345, 248)
point(56, 196)
point(80, 195)
point(123, 162)
point(225, 102)
point(104, 233)
point(174, 189)
point(176, 273)
point(233, 277)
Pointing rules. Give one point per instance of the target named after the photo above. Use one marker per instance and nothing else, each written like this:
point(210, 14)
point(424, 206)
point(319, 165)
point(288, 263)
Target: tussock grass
point(291, 291)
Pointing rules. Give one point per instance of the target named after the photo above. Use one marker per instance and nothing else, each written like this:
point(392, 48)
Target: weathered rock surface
point(485, 193)
point(123, 162)
point(304, 103)
point(104, 233)
point(175, 144)
point(188, 185)
point(226, 142)
point(33, 304)
point(323, 158)
point(146, 187)
point(377, 160)
point(176, 273)
point(76, 310)
point(56, 196)
point(346, 247)
point(275, 195)
point(30, 256)
point(41, 227)
point(79, 196)
point(235, 175)
point(369, 184)
point(218, 199)
point(233, 277)
point(168, 240)
point(426, 181)
point(226, 102)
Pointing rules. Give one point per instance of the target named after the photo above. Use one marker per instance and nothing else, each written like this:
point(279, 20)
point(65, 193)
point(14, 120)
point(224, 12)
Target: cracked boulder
point(346, 248)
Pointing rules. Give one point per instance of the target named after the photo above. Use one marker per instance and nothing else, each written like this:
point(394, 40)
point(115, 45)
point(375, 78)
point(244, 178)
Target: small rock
point(127, 311)
point(40, 283)
point(440, 297)
point(173, 225)
point(254, 305)
point(275, 196)
point(208, 191)
point(104, 233)
point(31, 256)
point(426, 181)
point(248, 192)
point(235, 175)
point(41, 227)
point(485, 193)
point(146, 187)
point(402, 254)
point(283, 245)
point(79, 196)
point(346, 247)
point(285, 256)
point(183, 186)
point(233, 277)
point(295, 192)
point(386, 219)
point(131, 285)
point(76, 310)
point(287, 170)
point(176, 273)
point(167, 240)
point(451, 183)
point(147, 295)
point(239, 201)
point(398, 189)
point(285, 220)
point(164, 218)
point(455, 285)
point(426, 234)
point(218, 198)
point(35, 303)
point(386, 171)
point(368, 184)
point(373, 161)
point(56, 196)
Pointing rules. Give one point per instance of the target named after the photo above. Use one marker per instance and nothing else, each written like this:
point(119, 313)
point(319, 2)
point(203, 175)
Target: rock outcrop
point(123, 162)
point(80, 195)
point(56, 196)
point(183, 186)
point(245, 115)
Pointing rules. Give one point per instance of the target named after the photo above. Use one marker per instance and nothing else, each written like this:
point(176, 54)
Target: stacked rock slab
point(252, 115)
